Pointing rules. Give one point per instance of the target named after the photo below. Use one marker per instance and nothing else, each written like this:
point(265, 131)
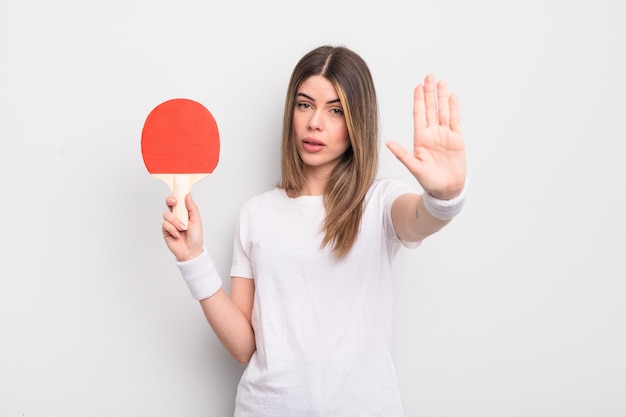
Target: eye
point(303, 105)
point(337, 111)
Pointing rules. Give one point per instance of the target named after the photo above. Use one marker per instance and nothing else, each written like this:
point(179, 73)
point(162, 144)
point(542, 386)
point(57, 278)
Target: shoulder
point(263, 199)
point(384, 191)
point(261, 204)
point(389, 189)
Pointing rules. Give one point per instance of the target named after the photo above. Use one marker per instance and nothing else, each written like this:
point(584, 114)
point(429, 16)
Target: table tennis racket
point(180, 145)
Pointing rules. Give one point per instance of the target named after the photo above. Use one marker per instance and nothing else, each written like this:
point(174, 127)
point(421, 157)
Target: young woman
point(310, 305)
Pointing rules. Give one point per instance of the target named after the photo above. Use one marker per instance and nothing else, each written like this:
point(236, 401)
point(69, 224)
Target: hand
point(438, 158)
point(184, 244)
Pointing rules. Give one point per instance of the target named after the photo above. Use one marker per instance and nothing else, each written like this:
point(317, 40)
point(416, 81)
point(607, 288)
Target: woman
point(310, 303)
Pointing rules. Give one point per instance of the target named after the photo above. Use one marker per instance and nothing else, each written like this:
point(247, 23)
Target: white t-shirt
point(322, 326)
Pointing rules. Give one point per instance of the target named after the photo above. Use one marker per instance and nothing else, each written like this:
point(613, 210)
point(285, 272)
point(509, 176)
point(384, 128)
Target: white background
point(518, 308)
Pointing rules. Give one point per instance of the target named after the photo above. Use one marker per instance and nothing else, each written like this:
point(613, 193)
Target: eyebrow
point(312, 99)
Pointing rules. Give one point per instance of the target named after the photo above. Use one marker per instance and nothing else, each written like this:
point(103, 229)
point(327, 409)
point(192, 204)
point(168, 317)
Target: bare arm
point(229, 316)
point(411, 221)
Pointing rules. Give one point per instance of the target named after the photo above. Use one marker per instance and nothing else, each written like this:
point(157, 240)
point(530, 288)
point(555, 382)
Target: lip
point(312, 145)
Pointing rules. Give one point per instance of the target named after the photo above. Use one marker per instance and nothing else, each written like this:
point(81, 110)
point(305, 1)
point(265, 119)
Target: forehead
point(319, 88)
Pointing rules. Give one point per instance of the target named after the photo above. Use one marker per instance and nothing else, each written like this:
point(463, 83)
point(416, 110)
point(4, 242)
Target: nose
point(315, 121)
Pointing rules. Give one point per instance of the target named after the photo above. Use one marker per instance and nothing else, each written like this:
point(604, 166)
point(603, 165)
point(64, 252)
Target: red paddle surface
point(180, 136)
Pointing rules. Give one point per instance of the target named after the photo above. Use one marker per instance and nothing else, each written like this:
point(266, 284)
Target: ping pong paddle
point(180, 145)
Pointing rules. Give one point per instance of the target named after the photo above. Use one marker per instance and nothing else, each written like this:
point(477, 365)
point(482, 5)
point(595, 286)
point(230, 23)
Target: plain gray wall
point(518, 308)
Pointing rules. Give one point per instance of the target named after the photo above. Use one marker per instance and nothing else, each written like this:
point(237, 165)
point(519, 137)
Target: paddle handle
point(180, 185)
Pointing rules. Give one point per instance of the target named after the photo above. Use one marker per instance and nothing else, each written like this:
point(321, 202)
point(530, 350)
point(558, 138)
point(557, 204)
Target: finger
point(171, 218)
point(169, 229)
point(419, 109)
point(403, 155)
point(192, 209)
point(170, 201)
point(455, 114)
point(444, 103)
point(430, 100)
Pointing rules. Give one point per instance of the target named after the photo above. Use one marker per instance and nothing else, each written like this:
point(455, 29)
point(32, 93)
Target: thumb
point(192, 209)
point(401, 153)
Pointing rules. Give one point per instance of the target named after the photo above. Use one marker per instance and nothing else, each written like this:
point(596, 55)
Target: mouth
point(312, 145)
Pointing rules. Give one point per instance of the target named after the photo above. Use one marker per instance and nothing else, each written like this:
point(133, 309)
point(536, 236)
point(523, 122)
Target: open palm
point(438, 157)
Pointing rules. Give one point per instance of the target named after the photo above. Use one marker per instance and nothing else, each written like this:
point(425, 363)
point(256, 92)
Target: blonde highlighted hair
point(351, 178)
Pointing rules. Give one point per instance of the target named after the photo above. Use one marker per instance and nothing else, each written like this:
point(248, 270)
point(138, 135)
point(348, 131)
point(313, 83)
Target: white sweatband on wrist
point(200, 275)
point(445, 209)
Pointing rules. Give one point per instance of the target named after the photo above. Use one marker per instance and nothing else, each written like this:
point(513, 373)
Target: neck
point(315, 184)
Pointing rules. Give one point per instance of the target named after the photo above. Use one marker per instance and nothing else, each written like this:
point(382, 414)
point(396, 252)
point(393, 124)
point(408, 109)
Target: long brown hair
point(355, 172)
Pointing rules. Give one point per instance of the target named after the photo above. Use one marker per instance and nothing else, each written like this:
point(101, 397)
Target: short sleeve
point(391, 190)
point(241, 265)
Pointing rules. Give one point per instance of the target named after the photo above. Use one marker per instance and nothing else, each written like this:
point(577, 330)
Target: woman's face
point(320, 129)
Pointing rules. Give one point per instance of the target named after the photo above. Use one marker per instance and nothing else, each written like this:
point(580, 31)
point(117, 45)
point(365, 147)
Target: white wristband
point(200, 275)
point(445, 209)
